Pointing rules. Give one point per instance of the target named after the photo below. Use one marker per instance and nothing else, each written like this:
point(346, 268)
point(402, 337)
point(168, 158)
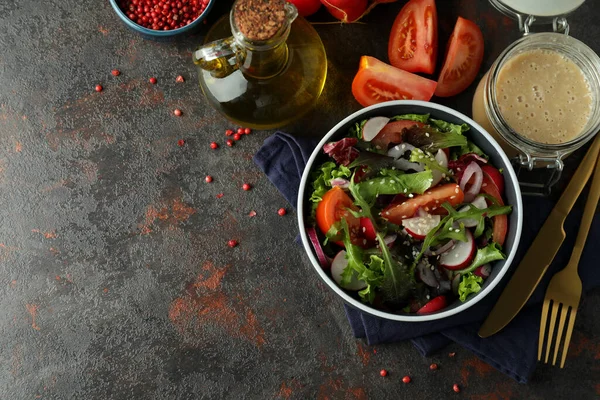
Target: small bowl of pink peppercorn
point(162, 19)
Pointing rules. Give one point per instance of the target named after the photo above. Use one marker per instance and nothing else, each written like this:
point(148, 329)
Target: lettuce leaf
point(356, 129)
point(393, 181)
point(469, 283)
point(322, 179)
point(448, 127)
point(412, 117)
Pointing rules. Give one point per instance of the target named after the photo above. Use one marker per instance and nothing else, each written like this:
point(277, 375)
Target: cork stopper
point(259, 20)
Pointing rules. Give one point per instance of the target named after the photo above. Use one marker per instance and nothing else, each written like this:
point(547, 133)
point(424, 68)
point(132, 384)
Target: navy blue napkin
point(513, 350)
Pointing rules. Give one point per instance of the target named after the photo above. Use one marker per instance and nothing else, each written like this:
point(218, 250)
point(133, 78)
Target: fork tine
point(551, 329)
point(543, 327)
point(561, 326)
point(568, 335)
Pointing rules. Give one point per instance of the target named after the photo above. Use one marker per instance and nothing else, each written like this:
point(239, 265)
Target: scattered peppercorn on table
point(144, 255)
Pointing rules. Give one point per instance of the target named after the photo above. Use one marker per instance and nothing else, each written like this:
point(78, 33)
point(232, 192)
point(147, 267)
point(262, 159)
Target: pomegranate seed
point(247, 131)
point(406, 379)
point(179, 77)
point(456, 388)
point(232, 243)
point(228, 132)
point(177, 112)
point(99, 88)
point(282, 212)
point(208, 179)
point(229, 142)
point(240, 131)
point(246, 186)
point(153, 79)
point(214, 145)
point(115, 72)
point(237, 136)
point(180, 142)
point(383, 372)
point(433, 367)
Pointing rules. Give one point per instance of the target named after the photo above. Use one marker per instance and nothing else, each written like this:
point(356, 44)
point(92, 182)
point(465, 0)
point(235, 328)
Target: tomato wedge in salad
point(431, 200)
point(376, 82)
point(500, 221)
point(413, 39)
point(392, 133)
point(463, 59)
point(332, 208)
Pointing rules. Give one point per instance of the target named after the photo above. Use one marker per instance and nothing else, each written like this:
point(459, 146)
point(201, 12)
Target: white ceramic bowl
point(478, 136)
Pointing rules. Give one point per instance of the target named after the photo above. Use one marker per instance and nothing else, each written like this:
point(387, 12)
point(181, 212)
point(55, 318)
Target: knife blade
point(542, 251)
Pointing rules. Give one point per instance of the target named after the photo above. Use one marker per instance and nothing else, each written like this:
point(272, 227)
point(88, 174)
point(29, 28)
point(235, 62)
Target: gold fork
point(565, 287)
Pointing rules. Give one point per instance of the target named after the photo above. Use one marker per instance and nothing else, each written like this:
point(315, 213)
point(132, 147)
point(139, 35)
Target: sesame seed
point(432, 267)
point(405, 190)
point(370, 183)
point(387, 213)
point(426, 208)
point(484, 185)
point(434, 208)
point(404, 216)
point(443, 175)
point(433, 253)
point(411, 195)
point(456, 255)
point(457, 230)
point(458, 169)
point(364, 241)
point(437, 201)
point(452, 197)
point(456, 190)
point(364, 229)
point(450, 229)
point(427, 134)
point(403, 146)
point(427, 297)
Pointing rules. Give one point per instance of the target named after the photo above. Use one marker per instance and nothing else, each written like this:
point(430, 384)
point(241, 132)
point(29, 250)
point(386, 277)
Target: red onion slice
point(314, 239)
point(341, 182)
point(399, 150)
point(472, 170)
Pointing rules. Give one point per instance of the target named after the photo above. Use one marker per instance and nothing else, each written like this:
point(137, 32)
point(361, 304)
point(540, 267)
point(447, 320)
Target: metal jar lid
point(529, 12)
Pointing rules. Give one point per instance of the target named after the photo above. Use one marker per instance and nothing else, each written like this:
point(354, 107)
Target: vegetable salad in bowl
point(406, 214)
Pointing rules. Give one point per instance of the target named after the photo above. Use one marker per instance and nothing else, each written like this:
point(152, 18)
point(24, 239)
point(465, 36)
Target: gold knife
point(541, 253)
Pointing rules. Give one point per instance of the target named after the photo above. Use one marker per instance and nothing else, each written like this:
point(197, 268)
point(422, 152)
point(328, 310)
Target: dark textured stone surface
point(116, 280)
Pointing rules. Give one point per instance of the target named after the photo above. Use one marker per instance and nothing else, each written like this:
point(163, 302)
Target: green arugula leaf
point(428, 160)
point(469, 283)
point(448, 127)
point(428, 138)
point(485, 255)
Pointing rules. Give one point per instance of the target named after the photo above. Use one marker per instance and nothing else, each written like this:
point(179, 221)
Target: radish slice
point(480, 203)
point(341, 182)
point(419, 227)
point(455, 283)
point(460, 255)
point(338, 265)
point(372, 127)
point(441, 159)
point(398, 150)
point(440, 250)
point(390, 239)
point(314, 239)
point(472, 170)
point(483, 271)
point(426, 275)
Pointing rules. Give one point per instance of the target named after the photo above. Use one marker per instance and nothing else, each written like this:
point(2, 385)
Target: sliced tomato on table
point(413, 40)
point(430, 201)
point(332, 208)
point(463, 59)
point(376, 82)
point(392, 133)
point(500, 222)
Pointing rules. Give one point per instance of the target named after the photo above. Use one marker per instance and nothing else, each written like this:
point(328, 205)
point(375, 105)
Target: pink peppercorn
point(214, 145)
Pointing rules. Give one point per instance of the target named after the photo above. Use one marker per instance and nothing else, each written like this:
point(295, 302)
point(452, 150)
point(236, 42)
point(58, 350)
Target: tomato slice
point(413, 40)
point(463, 59)
point(430, 200)
point(367, 229)
point(495, 176)
point(500, 221)
point(433, 305)
point(332, 208)
point(376, 82)
point(392, 133)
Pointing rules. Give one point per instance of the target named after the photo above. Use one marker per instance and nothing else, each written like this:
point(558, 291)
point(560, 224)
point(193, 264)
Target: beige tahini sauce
point(544, 96)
